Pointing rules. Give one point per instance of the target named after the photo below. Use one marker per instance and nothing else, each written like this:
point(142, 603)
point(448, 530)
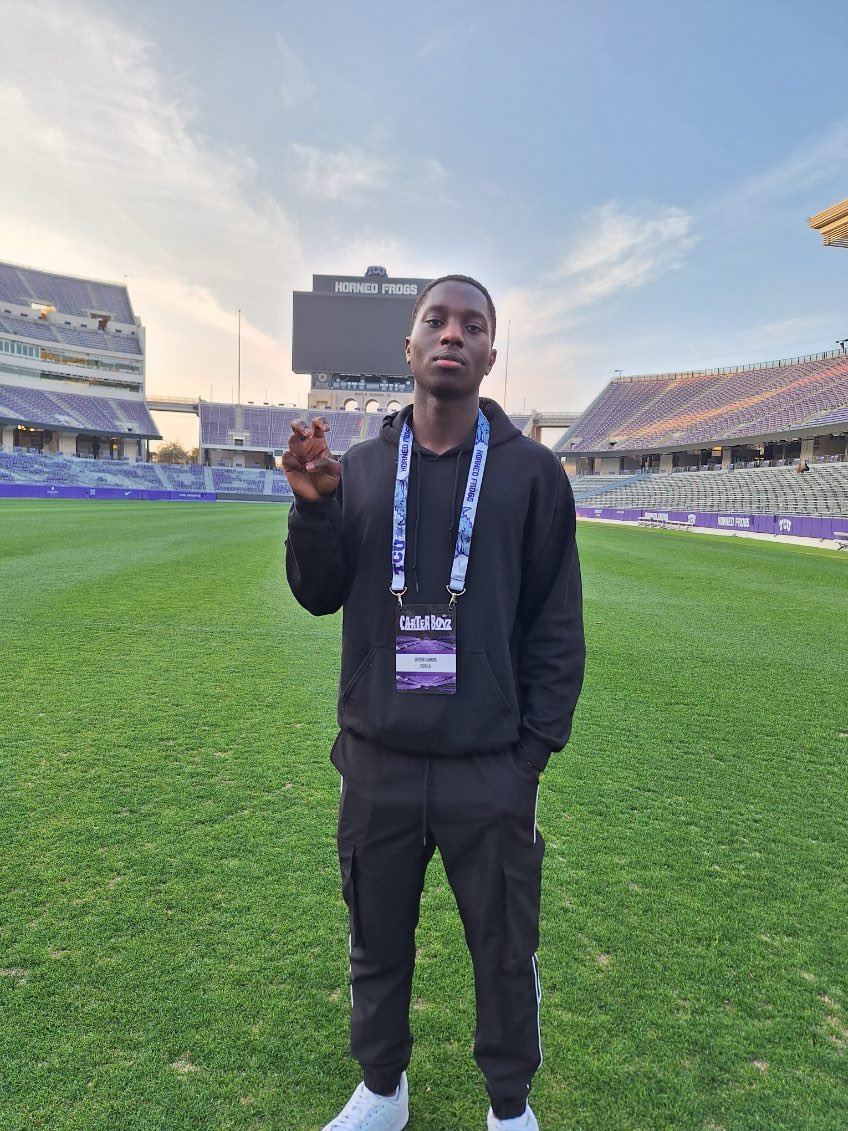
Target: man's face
point(450, 346)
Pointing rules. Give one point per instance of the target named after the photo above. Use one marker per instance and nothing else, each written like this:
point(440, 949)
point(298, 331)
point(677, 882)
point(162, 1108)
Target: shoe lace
point(363, 1109)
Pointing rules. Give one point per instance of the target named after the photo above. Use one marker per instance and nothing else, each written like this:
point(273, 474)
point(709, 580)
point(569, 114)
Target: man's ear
point(493, 357)
point(406, 350)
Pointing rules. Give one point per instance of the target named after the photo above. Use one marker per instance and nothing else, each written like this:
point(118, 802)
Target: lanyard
point(466, 519)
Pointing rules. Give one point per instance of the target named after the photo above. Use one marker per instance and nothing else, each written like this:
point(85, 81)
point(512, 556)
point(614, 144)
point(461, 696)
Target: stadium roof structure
point(833, 224)
point(676, 411)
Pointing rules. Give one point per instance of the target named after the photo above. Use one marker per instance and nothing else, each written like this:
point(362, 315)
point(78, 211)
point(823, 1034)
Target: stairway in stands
point(120, 415)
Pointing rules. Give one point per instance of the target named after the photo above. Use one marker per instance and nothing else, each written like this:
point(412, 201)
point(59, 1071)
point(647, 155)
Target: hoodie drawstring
point(454, 516)
point(417, 521)
point(454, 521)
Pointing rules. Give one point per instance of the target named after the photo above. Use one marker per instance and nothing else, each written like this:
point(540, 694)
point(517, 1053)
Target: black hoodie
point(520, 649)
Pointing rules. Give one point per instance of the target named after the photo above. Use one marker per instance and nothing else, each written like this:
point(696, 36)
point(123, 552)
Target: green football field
point(173, 944)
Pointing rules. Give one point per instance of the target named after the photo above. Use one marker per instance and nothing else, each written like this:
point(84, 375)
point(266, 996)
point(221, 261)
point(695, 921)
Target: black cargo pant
point(480, 812)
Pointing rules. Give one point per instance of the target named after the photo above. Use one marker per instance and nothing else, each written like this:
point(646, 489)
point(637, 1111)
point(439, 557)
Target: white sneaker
point(366, 1111)
point(525, 1122)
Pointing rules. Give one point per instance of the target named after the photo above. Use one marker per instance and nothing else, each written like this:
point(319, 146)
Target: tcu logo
point(690, 518)
point(785, 525)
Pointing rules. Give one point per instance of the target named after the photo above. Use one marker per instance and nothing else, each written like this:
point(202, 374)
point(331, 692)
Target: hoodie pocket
point(357, 675)
point(477, 718)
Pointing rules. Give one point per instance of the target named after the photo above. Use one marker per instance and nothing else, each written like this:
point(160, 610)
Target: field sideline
point(172, 937)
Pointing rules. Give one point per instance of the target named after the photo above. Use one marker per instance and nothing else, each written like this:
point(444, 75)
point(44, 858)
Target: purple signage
point(797, 526)
point(59, 491)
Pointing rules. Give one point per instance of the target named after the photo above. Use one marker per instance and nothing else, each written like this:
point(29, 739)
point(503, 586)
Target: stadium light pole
point(239, 358)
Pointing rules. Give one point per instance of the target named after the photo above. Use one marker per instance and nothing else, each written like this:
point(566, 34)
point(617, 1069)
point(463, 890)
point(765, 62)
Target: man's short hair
point(456, 279)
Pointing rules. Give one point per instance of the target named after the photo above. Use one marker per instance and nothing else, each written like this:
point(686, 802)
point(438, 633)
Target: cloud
point(429, 176)
point(820, 159)
point(621, 251)
point(351, 174)
point(617, 251)
point(112, 178)
point(350, 256)
point(336, 175)
point(197, 342)
point(295, 84)
point(807, 166)
point(799, 330)
point(446, 47)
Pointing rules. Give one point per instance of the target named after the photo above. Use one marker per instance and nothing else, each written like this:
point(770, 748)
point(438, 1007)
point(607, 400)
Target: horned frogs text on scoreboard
point(355, 287)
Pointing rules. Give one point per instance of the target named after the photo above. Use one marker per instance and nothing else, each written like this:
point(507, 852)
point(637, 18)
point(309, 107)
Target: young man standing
point(449, 541)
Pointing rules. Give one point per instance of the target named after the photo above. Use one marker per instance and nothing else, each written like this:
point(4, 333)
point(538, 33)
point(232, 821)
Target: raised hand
point(312, 472)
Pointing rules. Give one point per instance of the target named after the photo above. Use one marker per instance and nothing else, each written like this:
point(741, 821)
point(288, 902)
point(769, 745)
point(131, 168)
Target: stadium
point(720, 450)
point(172, 930)
point(716, 450)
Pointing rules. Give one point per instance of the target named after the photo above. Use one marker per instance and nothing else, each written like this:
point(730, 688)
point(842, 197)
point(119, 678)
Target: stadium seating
point(29, 328)
point(242, 480)
point(521, 421)
point(21, 467)
point(217, 424)
point(689, 409)
point(588, 486)
point(57, 334)
point(268, 427)
point(823, 490)
point(23, 285)
point(76, 412)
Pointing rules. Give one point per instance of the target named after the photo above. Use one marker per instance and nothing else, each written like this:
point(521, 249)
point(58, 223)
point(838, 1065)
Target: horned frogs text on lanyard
point(425, 649)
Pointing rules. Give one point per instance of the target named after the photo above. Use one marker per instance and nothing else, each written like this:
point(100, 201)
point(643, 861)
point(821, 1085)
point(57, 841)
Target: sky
point(631, 180)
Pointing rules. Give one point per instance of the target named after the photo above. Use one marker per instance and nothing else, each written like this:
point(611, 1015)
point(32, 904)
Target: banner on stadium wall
point(49, 491)
point(38, 491)
point(797, 526)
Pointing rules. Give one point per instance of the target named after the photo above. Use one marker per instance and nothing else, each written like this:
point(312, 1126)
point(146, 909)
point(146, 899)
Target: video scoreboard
point(350, 328)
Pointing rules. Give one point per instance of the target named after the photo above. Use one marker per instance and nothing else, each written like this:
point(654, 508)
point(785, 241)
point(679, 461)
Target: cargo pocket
point(522, 878)
point(347, 863)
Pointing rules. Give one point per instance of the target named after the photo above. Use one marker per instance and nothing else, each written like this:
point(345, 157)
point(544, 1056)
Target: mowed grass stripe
point(172, 939)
